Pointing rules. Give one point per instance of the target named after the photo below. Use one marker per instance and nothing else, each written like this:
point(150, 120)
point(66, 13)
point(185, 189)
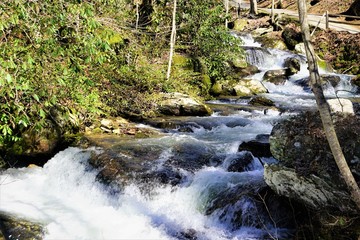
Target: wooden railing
point(327, 15)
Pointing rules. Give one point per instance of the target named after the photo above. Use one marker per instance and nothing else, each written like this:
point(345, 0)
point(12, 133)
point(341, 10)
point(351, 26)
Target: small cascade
point(257, 56)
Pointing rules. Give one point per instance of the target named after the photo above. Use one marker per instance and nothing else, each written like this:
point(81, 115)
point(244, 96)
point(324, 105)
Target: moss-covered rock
point(182, 61)
point(13, 227)
point(272, 40)
point(240, 24)
point(291, 36)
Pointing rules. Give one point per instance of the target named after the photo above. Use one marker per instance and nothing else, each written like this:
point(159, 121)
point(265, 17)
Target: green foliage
point(85, 58)
point(204, 27)
point(49, 53)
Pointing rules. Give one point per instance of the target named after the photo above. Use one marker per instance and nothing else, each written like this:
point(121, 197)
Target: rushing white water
point(66, 198)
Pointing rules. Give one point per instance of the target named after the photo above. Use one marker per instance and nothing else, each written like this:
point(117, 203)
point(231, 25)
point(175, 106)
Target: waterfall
point(257, 56)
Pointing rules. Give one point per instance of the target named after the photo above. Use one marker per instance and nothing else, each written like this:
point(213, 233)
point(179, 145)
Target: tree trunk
point(323, 108)
point(253, 7)
point(172, 41)
point(226, 12)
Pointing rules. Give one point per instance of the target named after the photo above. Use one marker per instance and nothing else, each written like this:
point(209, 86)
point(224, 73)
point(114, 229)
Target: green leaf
point(36, 97)
point(8, 78)
point(42, 113)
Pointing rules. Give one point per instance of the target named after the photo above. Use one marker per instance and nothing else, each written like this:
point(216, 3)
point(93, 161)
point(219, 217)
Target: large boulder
point(163, 159)
point(261, 101)
point(240, 88)
point(239, 24)
point(300, 143)
point(312, 190)
point(307, 173)
point(248, 87)
point(291, 36)
point(177, 104)
point(34, 146)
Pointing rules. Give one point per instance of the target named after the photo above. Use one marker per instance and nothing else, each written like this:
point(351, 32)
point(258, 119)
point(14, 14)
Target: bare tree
point(253, 7)
point(172, 40)
point(323, 107)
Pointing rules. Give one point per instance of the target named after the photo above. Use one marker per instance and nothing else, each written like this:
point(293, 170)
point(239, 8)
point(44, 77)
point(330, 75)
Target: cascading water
point(291, 92)
point(66, 198)
point(220, 194)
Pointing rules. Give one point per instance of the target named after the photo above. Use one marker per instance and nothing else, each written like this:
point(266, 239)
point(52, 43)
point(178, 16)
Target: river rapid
point(213, 201)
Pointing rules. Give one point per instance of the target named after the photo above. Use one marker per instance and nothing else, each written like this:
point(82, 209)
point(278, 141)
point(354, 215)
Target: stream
point(208, 188)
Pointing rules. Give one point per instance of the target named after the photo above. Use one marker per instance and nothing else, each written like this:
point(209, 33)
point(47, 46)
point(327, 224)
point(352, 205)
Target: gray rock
point(312, 191)
point(277, 77)
point(177, 104)
point(292, 65)
point(333, 80)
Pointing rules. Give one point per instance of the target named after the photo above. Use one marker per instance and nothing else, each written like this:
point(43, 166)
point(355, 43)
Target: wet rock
point(261, 101)
point(34, 147)
point(241, 68)
point(292, 66)
point(249, 204)
point(300, 143)
point(14, 228)
point(260, 147)
point(177, 104)
point(121, 159)
point(164, 175)
point(192, 156)
point(313, 191)
point(277, 77)
point(240, 161)
point(333, 80)
point(271, 40)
